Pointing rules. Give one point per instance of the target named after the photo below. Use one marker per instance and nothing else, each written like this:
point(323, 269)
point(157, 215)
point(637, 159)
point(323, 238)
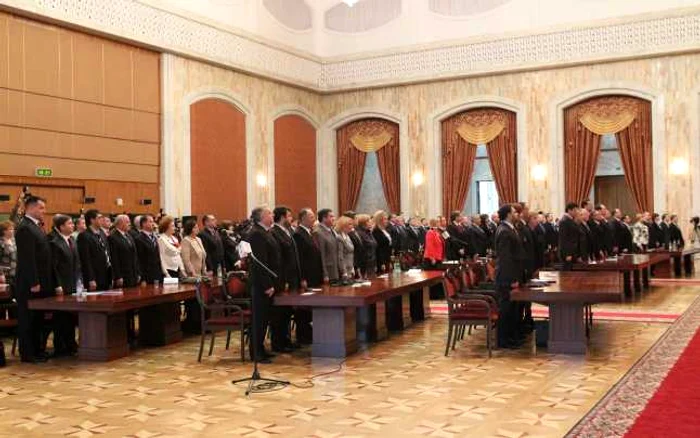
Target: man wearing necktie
point(147, 252)
point(95, 258)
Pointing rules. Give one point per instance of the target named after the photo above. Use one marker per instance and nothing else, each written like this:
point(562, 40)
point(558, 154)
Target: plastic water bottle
point(79, 288)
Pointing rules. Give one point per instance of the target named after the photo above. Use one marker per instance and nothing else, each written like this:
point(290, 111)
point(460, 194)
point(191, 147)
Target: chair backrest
point(236, 285)
point(465, 278)
point(491, 270)
point(207, 294)
point(451, 283)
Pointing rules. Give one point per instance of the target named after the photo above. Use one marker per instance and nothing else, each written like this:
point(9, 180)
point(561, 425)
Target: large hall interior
point(349, 218)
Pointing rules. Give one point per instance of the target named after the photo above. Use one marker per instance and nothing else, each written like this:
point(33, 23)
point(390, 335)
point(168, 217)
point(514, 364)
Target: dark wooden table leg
point(103, 336)
point(645, 277)
point(677, 270)
point(637, 278)
point(626, 280)
point(406, 319)
point(371, 323)
point(160, 324)
point(335, 331)
point(663, 269)
point(426, 303)
point(688, 264)
point(567, 332)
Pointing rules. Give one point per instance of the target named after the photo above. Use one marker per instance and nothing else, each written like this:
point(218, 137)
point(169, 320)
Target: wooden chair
point(464, 310)
point(236, 292)
point(218, 313)
point(8, 321)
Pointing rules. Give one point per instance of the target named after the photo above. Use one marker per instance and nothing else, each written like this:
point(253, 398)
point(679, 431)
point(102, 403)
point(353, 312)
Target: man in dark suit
point(656, 235)
point(135, 227)
point(148, 255)
point(311, 269)
point(569, 233)
point(355, 239)
point(625, 238)
point(675, 234)
point(598, 234)
point(618, 232)
point(289, 278)
point(213, 244)
point(397, 231)
point(509, 273)
point(478, 238)
point(125, 264)
point(551, 231)
point(664, 226)
point(32, 279)
point(458, 241)
point(586, 242)
point(65, 258)
point(267, 251)
point(95, 259)
point(415, 235)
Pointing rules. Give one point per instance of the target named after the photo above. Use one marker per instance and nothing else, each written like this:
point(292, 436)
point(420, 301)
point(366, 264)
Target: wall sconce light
point(119, 202)
point(261, 180)
point(418, 179)
point(679, 166)
point(539, 172)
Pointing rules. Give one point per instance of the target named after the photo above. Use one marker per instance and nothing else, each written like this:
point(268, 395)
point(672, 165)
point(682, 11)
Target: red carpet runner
point(673, 410)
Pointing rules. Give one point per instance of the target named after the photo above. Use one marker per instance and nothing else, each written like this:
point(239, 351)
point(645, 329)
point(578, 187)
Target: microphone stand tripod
point(255, 377)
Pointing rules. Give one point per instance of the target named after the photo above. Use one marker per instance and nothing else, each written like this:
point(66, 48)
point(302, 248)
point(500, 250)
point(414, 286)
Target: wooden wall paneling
point(218, 157)
point(146, 80)
point(118, 75)
point(15, 64)
point(41, 58)
point(4, 49)
point(295, 162)
point(66, 61)
point(87, 69)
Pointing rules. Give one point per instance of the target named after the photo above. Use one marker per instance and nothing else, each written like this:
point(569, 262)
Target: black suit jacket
point(94, 259)
point(479, 240)
point(289, 261)
point(359, 248)
point(383, 250)
point(569, 239)
point(598, 237)
point(399, 241)
point(267, 251)
point(586, 242)
point(367, 260)
point(415, 239)
point(125, 260)
point(509, 252)
point(551, 235)
point(656, 235)
point(625, 241)
point(34, 264)
point(310, 263)
point(539, 235)
point(675, 234)
point(458, 239)
point(149, 259)
point(65, 263)
point(214, 248)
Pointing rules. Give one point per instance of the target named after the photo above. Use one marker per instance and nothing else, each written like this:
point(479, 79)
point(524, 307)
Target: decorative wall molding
point(434, 163)
point(327, 157)
point(641, 36)
point(658, 133)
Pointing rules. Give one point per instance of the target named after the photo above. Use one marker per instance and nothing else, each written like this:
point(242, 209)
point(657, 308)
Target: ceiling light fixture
point(350, 3)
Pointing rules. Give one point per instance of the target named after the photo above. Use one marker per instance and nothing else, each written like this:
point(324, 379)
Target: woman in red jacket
point(434, 244)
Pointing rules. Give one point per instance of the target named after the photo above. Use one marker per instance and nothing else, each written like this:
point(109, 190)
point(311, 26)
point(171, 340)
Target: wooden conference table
point(102, 317)
point(683, 262)
point(341, 315)
point(633, 268)
point(566, 298)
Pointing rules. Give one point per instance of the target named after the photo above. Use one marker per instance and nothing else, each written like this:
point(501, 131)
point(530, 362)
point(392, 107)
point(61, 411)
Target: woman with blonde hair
point(193, 253)
point(383, 238)
point(169, 248)
point(367, 259)
point(346, 250)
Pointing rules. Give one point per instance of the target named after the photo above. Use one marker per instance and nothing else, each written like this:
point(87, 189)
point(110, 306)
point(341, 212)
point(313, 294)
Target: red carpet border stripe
point(615, 414)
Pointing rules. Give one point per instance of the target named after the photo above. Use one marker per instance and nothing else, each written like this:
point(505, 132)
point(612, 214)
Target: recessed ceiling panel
point(364, 15)
point(294, 14)
point(460, 8)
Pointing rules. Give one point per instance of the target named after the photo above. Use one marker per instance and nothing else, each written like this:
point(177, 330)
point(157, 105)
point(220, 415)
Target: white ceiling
point(329, 28)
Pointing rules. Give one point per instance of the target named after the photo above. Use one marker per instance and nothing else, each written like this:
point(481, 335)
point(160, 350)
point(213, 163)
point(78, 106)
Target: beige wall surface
point(672, 84)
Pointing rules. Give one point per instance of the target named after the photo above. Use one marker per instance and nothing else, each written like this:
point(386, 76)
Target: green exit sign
point(44, 172)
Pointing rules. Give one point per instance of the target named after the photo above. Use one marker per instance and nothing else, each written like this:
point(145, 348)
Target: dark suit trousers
point(508, 315)
point(64, 324)
point(280, 317)
point(261, 307)
point(30, 330)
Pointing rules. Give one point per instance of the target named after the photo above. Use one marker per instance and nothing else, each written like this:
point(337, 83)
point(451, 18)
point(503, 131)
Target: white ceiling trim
point(648, 35)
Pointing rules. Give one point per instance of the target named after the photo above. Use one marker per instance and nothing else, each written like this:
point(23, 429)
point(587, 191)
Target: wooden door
point(612, 191)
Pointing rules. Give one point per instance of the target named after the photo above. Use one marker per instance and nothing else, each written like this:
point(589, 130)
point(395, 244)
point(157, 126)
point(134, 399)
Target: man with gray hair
point(135, 227)
point(124, 256)
point(266, 250)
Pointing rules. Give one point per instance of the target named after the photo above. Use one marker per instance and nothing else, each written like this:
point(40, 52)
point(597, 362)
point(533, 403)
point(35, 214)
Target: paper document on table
point(308, 293)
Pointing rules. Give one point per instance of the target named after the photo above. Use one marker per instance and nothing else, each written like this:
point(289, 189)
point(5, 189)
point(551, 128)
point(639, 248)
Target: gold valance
point(370, 135)
point(608, 115)
point(480, 126)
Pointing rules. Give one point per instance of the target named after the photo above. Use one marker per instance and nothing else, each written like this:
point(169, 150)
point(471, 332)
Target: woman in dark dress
point(367, 257)
point(383, 238)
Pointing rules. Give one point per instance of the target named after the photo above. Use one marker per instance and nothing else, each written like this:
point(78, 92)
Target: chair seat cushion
point(472, 314)
point(234, 319)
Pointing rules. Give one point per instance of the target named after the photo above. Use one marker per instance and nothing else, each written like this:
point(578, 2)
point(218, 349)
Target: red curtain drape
point(389, 164)
point(351, 169)
point(457, 165)
point(634, 143)
point(502, 153)
point(581, 152)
